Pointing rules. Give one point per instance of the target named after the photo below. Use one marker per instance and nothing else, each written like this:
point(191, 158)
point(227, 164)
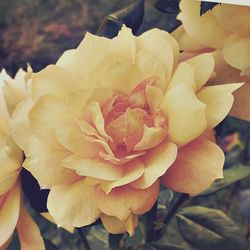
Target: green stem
point(83, 239)
point(181, 200)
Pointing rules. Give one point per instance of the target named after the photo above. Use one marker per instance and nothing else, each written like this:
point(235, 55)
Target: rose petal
point(7, 182)
point(186, 114)
point(9, 213)
point(73, 204)
point(157, 161)
point(28, 232)
point(93, 168)
point(236, 52)
point(218, 100)
point(197, 165)
point(122, 200)
point(131, 172)
point(45, 164)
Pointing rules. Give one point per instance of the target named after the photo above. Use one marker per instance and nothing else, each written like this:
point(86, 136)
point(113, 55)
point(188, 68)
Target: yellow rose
point(112, 119)
point(226, 30)
point(12, 211)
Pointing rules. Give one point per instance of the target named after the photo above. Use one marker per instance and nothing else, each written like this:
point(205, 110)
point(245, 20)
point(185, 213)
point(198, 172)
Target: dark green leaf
point(15, 243)
point(131, 16)
point(160, 246)
point(231, 176)
point(205, 229)
point(168, 6)
point(206, 6)
point(49, 245)
point(114, 241)
point(137, 239)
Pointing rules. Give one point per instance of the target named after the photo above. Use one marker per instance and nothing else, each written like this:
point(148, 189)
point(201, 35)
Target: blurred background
point(38, 31)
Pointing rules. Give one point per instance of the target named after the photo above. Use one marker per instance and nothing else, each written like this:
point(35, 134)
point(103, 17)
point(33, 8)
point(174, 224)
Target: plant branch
point(83, 239)
point(181, 200)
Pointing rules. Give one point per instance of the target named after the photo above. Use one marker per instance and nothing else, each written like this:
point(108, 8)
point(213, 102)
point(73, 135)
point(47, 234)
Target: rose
point(230, 37)
point(12, 211)
point(115, 117)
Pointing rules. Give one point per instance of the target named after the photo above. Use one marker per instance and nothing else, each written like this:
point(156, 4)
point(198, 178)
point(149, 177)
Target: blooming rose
point(229, 37)
point(12, 211)
point(111, 118)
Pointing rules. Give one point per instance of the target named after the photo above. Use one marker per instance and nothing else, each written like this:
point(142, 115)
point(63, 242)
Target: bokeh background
point(38, 31)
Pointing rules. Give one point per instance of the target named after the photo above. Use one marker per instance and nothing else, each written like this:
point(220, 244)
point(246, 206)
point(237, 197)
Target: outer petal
point(198, 164)
point(185, 113)
point(10, 158)
point(203, 66)
point(45, 164)
point(218, 100)
point(53, 80)
point(28, 232)
point(20, 127)
point(241, 104)
point(122, 200)
point(236, 52)
point(73, 204)
point(157, 161)
point(163, 52)
point(93, 168)
point(44, 117)
point(116, 226)
point(203, 28)
point(186, 42)
point(9, 213)
point(239, 23)
point(8, 182)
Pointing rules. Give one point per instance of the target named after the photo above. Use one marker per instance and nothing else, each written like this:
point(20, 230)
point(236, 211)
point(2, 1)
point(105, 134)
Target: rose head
point(12, 211)
point(114, 118)
point(225, 30)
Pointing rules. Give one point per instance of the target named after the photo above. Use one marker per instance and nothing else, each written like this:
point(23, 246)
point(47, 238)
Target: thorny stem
point(181, 200)
point(83, 239)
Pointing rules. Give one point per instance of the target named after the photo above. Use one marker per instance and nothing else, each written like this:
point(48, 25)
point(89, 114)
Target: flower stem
point(181, 200)
point(83, 239)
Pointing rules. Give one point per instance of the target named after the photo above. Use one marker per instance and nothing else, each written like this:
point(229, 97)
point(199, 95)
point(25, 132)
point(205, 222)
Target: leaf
point(231, 176)
point(206, 6)
point(33, 192)
point(15, 243)
point(136, 240)
point(131, 16)
point(168, 6)
point(160, 246)
point(49, 245)
point(206, 229)
point(114, 241)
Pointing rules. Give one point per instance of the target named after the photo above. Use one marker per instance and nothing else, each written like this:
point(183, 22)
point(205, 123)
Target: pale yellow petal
point(218, 100)
point(122, 200)
point(45, 164)
point(8, 182)
point(236, 52)
point(9, 213)
point(203, 66)
point(20, 126)
point(156, 161)
point(186, 114)
point(205, 29)
point(131, 172)
point(197, 166)
point(93, 168)
point(28, 232)
point(186, 42)
point(73, 204)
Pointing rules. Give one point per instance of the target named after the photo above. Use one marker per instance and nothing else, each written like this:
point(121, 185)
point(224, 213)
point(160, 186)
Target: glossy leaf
point(206, 6)
point(49, 245)
point(131, 16)
point(206, 229)
point(114, 241)
point(231, 176)
point(168, 6)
